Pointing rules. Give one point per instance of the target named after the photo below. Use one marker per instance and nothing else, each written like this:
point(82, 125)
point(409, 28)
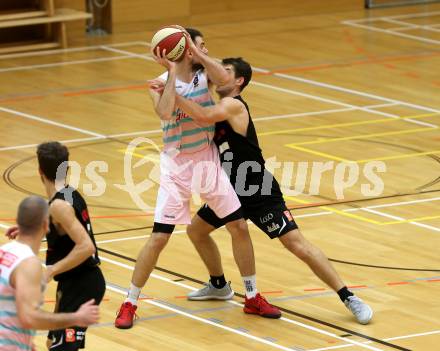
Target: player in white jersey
point(22, 283)
point(190, 154)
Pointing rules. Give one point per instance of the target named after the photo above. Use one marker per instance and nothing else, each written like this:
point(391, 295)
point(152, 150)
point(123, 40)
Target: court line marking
point(357, 137)
point(386, 339)
point(391, 32)
point(129, 54)
point(67, 63)
point(334, 210)
point(349, 124)
point(394, 204)
point(314, 97)
point(432, 152)
point(397, 218)
point(69, 50)
point(350, 91)
point(78, 140)
point(206, 321)
point(273, 87)
point(336, 158)
point(339, 125)
point(285, 76)
point(392, 19)
point(154, 131)
point(303, 325)
point(361, 136)
point(48, 121)
point(328, 212)
point(410, 15)
point(426, 218)
point(338, 88)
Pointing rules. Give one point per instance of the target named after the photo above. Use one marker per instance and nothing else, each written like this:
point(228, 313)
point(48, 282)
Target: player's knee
point(296, 244)
point(158, 241)
point(238, 227)
point(193, 233)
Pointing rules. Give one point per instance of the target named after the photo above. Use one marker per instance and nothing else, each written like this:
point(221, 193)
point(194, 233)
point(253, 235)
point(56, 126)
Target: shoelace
point(355, 305)
point(126, 312)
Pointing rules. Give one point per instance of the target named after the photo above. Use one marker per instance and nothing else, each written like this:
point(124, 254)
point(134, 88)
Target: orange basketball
point(170, 39)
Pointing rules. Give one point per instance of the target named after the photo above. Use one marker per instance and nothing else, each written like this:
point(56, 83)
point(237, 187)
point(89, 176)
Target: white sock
point(133, 294)
point(250, 286)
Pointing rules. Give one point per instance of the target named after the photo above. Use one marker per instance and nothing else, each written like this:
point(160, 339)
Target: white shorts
point(197, 173)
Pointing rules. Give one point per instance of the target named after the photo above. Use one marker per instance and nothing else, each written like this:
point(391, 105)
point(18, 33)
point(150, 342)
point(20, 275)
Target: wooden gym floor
point(335, 87)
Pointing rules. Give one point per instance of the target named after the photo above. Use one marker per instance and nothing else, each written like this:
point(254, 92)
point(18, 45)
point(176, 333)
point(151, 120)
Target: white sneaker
point(209, 292)
point(359, 308)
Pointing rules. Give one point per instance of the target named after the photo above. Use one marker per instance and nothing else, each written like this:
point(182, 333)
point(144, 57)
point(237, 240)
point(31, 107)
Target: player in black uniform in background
point(259, 193)
point(71, 258)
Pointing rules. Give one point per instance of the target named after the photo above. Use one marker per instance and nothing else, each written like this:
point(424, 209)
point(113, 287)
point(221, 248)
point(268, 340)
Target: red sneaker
point(126, 315)
point(259, 305)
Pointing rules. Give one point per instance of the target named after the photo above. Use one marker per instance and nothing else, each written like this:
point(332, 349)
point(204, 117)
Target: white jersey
point(12, 335)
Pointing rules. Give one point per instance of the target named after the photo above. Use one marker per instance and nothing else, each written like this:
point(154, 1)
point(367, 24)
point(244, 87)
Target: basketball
point(170, 39)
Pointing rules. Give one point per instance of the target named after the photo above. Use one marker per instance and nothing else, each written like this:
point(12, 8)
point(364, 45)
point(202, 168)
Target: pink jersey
point(182, 132)
point(13, 336)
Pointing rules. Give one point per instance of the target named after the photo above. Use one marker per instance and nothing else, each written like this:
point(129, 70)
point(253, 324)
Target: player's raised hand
point(161, 58)
point(12, 232)
point(87, 314)
point(191, 46)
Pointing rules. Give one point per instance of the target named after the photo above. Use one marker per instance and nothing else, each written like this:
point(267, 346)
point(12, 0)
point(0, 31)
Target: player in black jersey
point(71, 258)
point(259, 192)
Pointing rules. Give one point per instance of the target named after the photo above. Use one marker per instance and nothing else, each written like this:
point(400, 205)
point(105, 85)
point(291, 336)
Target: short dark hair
point(193, 33)
point(31, 213)
point(241, 69)
point(50, 156)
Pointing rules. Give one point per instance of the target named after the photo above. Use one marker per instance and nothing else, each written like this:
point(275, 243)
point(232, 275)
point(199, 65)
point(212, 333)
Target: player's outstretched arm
point(227, 108)
point(26, 279)
point(63, 215)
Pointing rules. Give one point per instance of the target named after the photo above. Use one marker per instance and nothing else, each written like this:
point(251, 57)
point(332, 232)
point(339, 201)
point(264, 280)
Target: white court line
point(386, 339)
point(128, 53)
point(68, 50)
point(411, 15)
point(293, 115)
point(290, 77)
point(320, 331)
point(397, 218)
point(334, 87)
point(355, 92)
point(330, 101)
point(207, 321)
point(145, 57)
point(157, 131)
point(133, 237)
point(48, 121)
point(390, 20)
point(401, 203)
point(387, 31)
point(409, 26)
point(67, 63)
point(154, 131)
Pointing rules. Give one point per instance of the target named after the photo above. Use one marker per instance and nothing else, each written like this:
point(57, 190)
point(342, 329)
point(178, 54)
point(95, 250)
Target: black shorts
point(71, 294)
point(273, 218)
